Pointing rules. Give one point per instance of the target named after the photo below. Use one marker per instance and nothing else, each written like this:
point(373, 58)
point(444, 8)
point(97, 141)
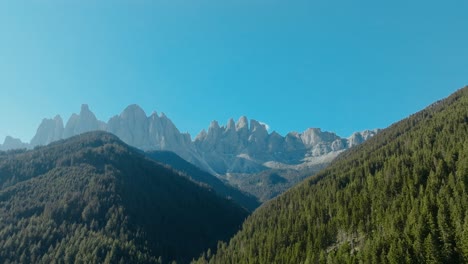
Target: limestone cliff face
point(49, 130)
point(84, 122)
point(242, 147)
point(131, 126)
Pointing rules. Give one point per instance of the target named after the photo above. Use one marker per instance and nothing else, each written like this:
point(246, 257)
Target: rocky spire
point(84, 122)
point(131, 126)
point(242, 123)
point(314, 136)
point(48, 131)
point(231, 125)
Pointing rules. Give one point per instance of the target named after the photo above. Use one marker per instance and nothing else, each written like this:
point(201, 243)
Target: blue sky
point(343, 66)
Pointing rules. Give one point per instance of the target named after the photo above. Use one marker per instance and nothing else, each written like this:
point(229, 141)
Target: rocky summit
point(232, 152)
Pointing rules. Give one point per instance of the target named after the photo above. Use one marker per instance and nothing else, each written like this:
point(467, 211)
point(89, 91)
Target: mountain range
point(400, 197)
point(243, 153)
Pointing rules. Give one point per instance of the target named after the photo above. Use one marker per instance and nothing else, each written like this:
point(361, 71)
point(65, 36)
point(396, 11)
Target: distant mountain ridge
point(235, 150)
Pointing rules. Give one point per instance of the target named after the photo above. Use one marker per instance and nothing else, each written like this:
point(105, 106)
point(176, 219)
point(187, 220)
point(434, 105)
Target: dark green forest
point(401, 197)
point(270, 183)
point(246, 200)
point(93, 199)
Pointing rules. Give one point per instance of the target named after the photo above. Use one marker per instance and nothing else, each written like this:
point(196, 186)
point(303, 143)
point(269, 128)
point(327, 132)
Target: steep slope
point(94, 199)
point(270, 183)
point(223, 189)
point(401, 197)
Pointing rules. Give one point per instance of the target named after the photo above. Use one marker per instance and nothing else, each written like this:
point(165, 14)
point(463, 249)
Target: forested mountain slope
point(401, 197)
point(246, 200)
point(93, 199)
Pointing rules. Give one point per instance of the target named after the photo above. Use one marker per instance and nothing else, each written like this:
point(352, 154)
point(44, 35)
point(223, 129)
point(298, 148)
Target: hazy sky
point(343, 66)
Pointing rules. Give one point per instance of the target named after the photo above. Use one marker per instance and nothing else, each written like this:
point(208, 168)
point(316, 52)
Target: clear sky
point(343, 66)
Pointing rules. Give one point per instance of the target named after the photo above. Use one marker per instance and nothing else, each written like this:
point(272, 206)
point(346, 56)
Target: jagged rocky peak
point(275, 142)
point(359, 137)
point(258, 133)
point(167, 125)
point(186, 137)
point(58, 119)
point(242, 123)
point(257, 126)
point(214, 131)
point(214, 125)
point(314, 136)
point(48, 131)
point(366, 134)
point(231, 125)
point(293, 134)
point(13, 143)
point(242, 128)
point(84, 122)
point(153, 118)
point(131, 126)
point(275, 135)
point(201, 136)
point(293, 141)
point(154, 130)
point(134, 117)
point(160, 123)
point(133, 111)
point(86, 114)
point(11, 140)
point(339, 144)
point(84, 109)
point(356, 139)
